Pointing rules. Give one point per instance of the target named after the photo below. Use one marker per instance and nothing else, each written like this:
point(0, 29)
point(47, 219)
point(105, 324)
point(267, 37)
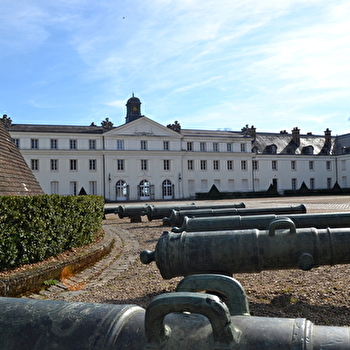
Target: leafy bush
point(33, 228)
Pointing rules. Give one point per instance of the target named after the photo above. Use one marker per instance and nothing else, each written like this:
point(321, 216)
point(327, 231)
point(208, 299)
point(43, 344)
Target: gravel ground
point(321, 295)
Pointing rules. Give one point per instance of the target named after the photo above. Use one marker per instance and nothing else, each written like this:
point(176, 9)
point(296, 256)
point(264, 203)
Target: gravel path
point(321, 295)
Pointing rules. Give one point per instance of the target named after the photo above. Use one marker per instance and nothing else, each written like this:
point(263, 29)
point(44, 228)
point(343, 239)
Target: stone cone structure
point(16, 178)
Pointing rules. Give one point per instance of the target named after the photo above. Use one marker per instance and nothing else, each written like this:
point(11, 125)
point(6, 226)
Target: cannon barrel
point(111, 209)
point(262, 222)
point(240, 251)
point(158, 212)
point(182, 320)
point(132, 211)
point(177, 216)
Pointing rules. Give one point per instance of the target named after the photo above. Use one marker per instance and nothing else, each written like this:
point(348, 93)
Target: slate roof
point(286, 145)
point(16, 178)
point(32, 128)
point(211, 133)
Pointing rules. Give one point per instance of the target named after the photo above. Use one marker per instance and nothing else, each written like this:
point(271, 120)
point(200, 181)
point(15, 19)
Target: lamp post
point(109, 186)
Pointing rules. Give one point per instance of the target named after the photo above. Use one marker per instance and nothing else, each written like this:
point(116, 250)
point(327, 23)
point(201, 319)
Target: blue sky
point(213, 64)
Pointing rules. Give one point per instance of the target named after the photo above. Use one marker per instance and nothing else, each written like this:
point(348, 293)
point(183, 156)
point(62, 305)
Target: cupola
point(133, 109)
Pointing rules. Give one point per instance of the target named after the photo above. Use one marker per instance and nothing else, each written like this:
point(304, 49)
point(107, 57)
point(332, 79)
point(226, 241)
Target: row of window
point(73, 163)
point(54, 164)
point(73, 145)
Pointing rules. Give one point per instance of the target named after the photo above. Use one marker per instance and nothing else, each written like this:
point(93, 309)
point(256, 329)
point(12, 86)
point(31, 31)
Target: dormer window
point(308, 150)
point(271, 149)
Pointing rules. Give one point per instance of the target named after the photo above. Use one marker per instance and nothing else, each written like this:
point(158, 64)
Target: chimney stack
point(296, 135)
point(328, 137)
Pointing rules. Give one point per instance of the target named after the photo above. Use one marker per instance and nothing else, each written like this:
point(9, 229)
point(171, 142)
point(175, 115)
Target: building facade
point(144, 160)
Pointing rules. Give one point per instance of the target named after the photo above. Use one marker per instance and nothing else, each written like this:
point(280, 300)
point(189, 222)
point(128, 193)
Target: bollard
point(246, 251)
point(262, 222)
point(154, 212)
point(177, 216)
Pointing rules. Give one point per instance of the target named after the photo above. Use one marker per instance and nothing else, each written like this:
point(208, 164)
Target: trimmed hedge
point(34, 228)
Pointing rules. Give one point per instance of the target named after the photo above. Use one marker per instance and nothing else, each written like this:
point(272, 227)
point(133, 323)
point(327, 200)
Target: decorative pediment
point(143, 127)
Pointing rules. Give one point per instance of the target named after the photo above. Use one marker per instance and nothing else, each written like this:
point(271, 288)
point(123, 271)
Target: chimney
point(251, 131)
point(328, 138)
point(296, 135)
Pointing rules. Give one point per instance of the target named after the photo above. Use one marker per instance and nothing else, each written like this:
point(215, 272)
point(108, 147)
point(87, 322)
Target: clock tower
point(133, 109)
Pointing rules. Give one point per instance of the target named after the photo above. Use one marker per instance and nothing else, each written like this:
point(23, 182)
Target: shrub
point(33, 228)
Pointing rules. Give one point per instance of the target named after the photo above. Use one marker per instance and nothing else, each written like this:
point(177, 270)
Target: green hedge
point(33, 228)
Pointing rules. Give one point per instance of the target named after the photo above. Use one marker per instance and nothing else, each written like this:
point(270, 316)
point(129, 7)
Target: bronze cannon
point(177, 216)
point(262, 222)
point(182, 320)
point(132, 211)
point(160, 211)
point(240, 251)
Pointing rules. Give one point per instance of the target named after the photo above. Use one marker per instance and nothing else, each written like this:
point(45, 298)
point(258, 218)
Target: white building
point(144, 160)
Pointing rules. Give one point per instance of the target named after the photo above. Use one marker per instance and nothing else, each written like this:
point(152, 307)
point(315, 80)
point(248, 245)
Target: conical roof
point(16, 178)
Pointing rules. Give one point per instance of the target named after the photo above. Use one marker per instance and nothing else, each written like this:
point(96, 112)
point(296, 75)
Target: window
point(343, 165)
point(54, 187)
point(230, 165)
point(54, 164)
point(203, 165)
point(307, 150)
point(243, 165)
point(73, 164)
point(328, 165)
point(34, 164)
point(202, 147)
point(166, 164)
point(274, 165)
point(311, 165)
point(92, 164)
point(329, 182)
point(144, 164)
point(144, 189)
point(92, 144)
point(72, 144)
point(34, 143)
point(312, 184)
point(255, 164)
point(120, 164)
point(54, 144)
point(189, 146)
point(190, 164)
point(167, 189)
point(294, 184)
point(16, 142)
point(293, 165)
point(215, 147)
point(166, 145)
point(120, 145)
point(93, 187)
point(229, 147)
point(271, 149)
point(215, 164)
point(143, 145)
point(73, 186)
point(243, 147)
point(121, 190)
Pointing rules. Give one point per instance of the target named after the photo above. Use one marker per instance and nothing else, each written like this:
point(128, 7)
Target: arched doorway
point(144, 190)
point(121, 188)
point(167, 189)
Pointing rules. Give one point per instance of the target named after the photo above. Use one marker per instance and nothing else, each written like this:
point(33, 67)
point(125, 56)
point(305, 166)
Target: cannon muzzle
point(247, 251)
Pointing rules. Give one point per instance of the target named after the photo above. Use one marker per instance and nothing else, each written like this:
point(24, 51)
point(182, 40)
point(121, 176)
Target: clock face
point(134, 109)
